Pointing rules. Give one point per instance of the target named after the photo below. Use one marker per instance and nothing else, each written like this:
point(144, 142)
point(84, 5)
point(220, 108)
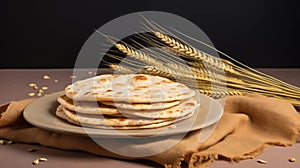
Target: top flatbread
point(134, 88)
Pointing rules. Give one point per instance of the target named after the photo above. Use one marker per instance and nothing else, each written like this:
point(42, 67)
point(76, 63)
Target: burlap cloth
point(249, 124)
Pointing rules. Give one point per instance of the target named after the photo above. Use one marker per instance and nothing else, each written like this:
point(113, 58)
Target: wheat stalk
point(182, 49)
point(247, 73)
point(178, 71)
point(200, 67)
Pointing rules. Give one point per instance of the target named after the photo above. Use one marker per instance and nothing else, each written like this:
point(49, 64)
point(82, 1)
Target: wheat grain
point(292, 159)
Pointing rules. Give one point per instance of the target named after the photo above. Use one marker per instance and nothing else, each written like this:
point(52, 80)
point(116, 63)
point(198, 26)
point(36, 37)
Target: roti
point(186, 107)
point(87, 107)
point(149, 126)
point(133, 88)
point(142, 106)
point(60, 113)
point(109, 121)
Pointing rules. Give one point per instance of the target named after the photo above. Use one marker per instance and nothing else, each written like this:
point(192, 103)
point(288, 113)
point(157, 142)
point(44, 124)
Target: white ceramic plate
point(41, 113)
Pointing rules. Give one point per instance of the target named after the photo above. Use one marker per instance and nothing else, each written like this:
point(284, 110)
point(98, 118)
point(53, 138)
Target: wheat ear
point(120, 68)
point(194, 53)
point(141, 56)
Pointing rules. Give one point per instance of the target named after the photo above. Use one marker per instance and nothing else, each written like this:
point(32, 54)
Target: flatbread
point(134, 88)
point(109, 121)
point(143, 106)
point(186, 107)
point(60, 113)
point(87, 107)
point(149, 126)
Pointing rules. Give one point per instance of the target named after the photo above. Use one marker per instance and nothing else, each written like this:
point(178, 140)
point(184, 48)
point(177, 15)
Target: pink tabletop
point(14, 86)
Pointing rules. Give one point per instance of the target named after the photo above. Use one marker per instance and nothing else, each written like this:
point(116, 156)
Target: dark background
point(49, 34)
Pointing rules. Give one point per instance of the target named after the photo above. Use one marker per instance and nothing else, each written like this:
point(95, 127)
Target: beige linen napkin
point(249, 124)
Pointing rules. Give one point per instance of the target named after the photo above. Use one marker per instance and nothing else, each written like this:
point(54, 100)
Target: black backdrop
point(49, 34)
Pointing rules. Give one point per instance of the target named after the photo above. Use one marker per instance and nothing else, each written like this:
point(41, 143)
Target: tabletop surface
point(14, 86)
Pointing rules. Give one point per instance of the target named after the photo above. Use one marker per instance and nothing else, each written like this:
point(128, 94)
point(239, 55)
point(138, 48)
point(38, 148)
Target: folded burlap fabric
point(249, 124)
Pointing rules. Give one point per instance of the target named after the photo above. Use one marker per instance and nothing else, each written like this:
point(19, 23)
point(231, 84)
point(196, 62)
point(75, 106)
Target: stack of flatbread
point(131, 101)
